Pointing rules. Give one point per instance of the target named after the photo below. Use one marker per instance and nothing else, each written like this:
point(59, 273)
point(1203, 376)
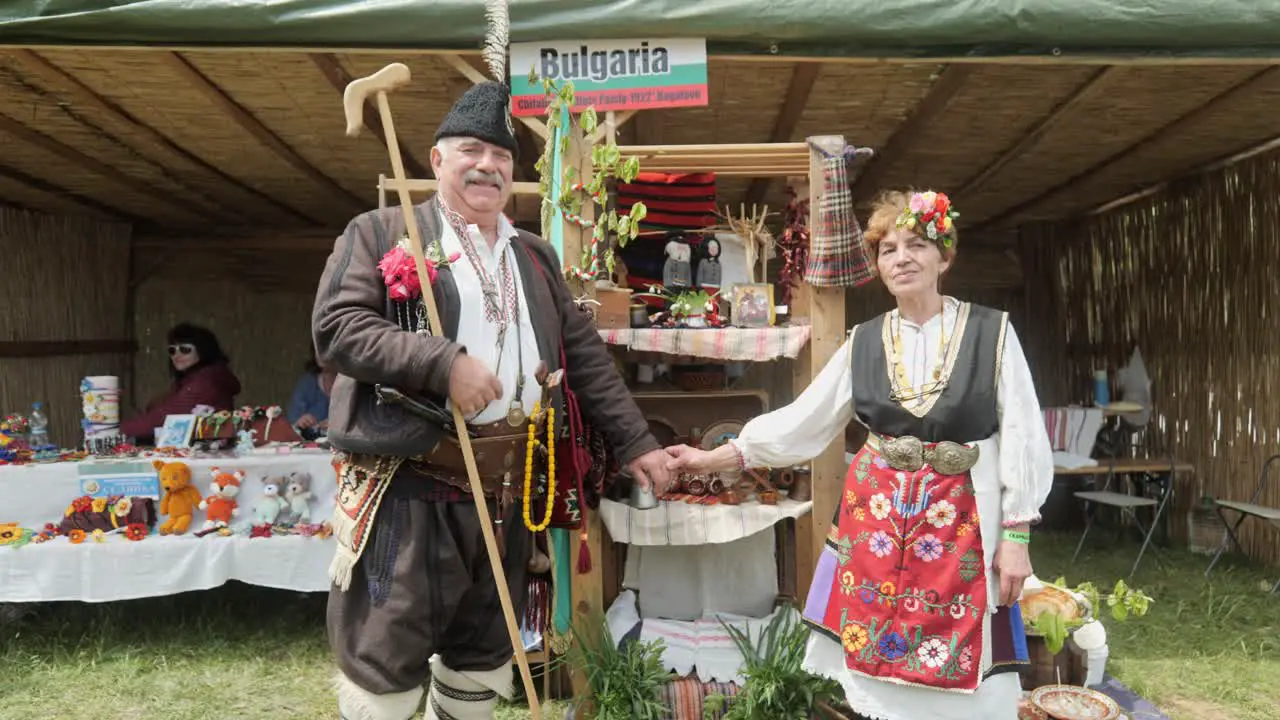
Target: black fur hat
point(483, 112)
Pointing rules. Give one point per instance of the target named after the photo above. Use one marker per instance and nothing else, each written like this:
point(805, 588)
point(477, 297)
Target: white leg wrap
point(356, 703)
point(465, 695)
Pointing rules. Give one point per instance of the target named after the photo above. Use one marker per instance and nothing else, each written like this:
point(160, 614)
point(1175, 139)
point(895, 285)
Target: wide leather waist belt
point(910, 454)
point(499, 451)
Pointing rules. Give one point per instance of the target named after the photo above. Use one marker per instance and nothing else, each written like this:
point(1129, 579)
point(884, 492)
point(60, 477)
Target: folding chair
point(1128, 506)
point(1246, 510)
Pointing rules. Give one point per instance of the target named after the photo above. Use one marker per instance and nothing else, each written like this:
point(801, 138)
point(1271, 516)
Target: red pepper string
point(794, 244)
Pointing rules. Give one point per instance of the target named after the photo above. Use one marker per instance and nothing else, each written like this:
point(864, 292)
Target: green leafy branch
point(1123, 600)
point(607, 165)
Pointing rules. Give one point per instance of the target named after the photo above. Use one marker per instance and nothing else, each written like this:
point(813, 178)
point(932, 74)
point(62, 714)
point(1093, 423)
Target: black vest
point(965, 412)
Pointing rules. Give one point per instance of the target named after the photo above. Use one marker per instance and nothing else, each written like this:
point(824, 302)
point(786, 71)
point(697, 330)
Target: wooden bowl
point(1071, 702)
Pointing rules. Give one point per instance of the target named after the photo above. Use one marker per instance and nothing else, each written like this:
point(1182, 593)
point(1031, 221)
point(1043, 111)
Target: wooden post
point(587, 588)
point(826, 310)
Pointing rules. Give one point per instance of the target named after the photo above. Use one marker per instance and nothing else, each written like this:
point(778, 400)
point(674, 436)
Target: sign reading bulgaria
point(611, 74)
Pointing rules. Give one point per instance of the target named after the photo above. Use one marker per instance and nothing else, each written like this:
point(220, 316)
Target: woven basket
point(697, 380)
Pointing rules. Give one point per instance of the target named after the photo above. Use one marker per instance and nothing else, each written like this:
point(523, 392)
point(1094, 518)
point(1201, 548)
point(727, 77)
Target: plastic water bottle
point(39, 436)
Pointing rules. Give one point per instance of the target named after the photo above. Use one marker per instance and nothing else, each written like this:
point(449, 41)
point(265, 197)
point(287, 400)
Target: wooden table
point(1124, 466)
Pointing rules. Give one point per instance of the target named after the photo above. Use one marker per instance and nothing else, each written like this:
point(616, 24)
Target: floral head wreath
point(931, 212)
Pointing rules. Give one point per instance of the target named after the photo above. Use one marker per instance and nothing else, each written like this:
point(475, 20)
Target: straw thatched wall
point(65, 279)
point(1187, 276)
point(257, 300)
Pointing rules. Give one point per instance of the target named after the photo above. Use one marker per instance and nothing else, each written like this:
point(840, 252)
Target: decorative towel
point(1073, 429)
point(838, 254)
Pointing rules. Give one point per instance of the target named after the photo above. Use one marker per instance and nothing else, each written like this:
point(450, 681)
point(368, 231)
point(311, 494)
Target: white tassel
point(496, 37)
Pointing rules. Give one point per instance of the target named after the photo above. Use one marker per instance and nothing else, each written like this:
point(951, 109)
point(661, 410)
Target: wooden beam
point(94, 165)
point(927, 111)
point(527, 144)
point(1086, 91)
point(89, 203)
point(252, 125)
point(59, 348)
point(469, 71)
point(277, 242)
point(77, 93)
point(1244, 87)
point(803, 78)
point(825, 308)
point(339, 78)
point(618, 120)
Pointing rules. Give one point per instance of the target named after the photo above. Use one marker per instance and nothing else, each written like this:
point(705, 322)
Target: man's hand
point(650, 470)
point(305, 421)
point(1013, 563)
point(472, 386)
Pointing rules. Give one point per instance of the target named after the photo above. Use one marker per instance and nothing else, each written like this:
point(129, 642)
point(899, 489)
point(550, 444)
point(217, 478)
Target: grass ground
point(1208, 650)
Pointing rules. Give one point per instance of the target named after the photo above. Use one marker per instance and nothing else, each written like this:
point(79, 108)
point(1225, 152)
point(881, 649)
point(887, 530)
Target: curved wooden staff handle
point(379, 83)
point(391, 77)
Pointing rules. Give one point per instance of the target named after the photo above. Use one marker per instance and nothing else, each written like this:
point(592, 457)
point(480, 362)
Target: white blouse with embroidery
point(797, 432)
point(1012, 479)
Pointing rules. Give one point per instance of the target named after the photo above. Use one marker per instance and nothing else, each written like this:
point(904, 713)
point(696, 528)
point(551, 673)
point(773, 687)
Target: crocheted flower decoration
point(931, 213)
point(400, 274)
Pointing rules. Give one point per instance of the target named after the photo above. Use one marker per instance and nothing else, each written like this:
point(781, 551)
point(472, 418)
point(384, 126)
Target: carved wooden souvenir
point(715, 486)
point(729, 497)
point(802, 488)
point(696, 485)
point(767, 497)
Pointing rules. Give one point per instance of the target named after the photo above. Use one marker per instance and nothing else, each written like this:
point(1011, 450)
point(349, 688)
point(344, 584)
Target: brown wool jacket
point(355, 333)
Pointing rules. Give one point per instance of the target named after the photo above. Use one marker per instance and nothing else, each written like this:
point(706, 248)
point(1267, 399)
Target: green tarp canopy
point(887, 28)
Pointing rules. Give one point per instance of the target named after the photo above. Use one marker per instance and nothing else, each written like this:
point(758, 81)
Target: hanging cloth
point(838, 254)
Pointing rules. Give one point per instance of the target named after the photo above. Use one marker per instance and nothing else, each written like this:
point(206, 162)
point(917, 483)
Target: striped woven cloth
point(838, 254)
point(684, 698)
point(728, 344)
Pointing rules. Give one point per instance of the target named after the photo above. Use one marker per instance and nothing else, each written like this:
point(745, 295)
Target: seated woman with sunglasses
point(201, 376)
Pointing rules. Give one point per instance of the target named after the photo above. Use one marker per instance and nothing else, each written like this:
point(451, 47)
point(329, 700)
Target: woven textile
point(726, 344)
point(838, 255)
point(677, 523)
point(684, 698)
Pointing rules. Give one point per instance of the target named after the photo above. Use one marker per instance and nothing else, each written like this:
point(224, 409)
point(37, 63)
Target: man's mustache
point(480, 176)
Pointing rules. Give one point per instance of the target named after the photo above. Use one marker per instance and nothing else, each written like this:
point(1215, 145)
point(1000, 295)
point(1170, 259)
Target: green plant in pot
point(777, 686)
point(1056, 621)
point(625, 682)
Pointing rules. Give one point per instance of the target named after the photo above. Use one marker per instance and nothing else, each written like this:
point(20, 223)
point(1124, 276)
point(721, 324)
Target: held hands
point(650, 471)
point(472, 386)
point(1013, 564)
point(692, 461)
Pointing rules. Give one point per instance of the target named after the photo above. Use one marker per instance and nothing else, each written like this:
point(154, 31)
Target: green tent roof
point(889, 28)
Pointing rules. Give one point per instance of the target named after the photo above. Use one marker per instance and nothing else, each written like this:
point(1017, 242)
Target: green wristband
point(1015, 536)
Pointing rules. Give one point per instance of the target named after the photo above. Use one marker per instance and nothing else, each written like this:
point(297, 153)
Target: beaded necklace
point(532, 444)
point(903, 390)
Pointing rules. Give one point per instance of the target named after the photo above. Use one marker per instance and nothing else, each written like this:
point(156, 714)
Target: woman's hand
point(1013, 564)
point(692, 461)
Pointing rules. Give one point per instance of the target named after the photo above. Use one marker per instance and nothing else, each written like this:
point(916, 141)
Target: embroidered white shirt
point(479, 335)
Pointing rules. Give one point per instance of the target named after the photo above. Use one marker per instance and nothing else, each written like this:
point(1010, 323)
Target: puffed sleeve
point(800, 431)
point(1026, 457)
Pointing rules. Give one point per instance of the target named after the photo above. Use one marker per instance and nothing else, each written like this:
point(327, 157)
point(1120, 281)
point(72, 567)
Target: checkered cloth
point(838, 255)
point(728, 344)
point(678, 523)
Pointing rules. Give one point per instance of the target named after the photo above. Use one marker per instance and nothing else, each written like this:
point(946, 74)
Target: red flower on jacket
point(400, 274)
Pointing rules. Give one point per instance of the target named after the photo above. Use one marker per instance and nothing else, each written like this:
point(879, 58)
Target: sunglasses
point(181, 350)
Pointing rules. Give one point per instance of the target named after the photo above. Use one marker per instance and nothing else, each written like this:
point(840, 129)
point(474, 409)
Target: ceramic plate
point(1069, 702)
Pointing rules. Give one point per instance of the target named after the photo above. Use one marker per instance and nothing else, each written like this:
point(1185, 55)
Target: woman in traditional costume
point(914, 599)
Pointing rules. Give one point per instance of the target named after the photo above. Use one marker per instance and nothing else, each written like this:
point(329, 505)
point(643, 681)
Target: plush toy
point(298, 495)
point(709, 266)
point(244, 443)
point(676, 272)
point(268, 509)
point(221, 505)
point(180, 498)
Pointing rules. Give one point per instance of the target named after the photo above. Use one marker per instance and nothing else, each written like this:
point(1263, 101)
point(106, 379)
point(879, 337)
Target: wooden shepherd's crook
point(380, 83)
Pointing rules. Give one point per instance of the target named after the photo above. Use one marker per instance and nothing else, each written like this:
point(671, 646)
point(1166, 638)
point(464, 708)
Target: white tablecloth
point(118, 569)
point(680, 523)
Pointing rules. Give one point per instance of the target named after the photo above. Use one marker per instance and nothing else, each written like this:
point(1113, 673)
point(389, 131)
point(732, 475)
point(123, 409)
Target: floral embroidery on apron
point(907, 594)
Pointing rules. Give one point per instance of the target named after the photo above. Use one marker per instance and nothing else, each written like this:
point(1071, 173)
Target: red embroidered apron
point(908, 594)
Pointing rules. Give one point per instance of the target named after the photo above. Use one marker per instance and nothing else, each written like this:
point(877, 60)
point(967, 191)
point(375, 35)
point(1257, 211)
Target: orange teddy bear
point(221, 505)
point(180, 499)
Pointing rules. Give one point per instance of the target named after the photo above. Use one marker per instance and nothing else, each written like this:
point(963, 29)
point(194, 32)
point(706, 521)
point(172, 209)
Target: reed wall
point(65, 279)
point(1188, 277)
point(257, 300)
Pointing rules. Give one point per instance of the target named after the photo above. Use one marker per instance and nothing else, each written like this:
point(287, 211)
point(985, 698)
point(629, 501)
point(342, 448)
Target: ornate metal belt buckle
point(904, 453)
point(950, 458)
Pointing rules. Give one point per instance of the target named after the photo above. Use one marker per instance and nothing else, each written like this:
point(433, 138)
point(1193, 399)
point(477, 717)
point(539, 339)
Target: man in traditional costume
point(914, 600)
point(414, 600)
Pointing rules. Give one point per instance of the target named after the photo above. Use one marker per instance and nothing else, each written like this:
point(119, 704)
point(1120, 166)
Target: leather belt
point(499, 453)
point(909, 454)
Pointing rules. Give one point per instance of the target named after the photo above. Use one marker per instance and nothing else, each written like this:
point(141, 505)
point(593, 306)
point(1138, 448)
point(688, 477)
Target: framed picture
point(753, 305)
point(177, 431)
